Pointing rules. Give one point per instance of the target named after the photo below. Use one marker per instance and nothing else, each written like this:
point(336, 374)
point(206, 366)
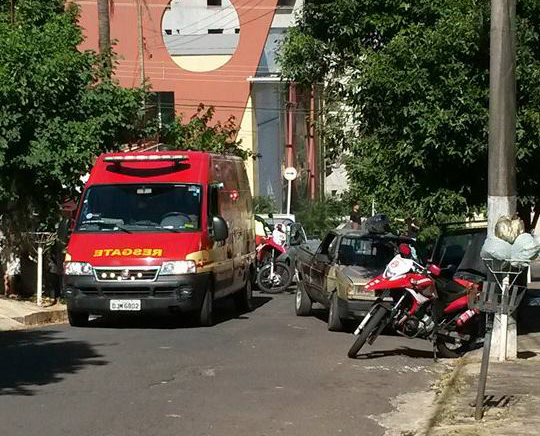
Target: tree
point(58, 111)
point(199, 133)
point(264, 204)
point(411, 80)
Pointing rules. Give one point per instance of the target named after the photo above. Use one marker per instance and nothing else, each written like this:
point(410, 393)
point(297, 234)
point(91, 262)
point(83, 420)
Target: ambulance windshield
point(141, 208)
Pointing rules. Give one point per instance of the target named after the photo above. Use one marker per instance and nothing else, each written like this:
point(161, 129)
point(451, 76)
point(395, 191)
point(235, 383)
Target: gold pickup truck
point(335, 274)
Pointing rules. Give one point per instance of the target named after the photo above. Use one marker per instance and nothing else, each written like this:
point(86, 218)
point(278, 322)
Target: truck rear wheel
point(78, 319)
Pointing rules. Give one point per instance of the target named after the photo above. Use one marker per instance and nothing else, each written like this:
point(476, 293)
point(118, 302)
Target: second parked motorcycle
point(418, 302)
point(273, 276)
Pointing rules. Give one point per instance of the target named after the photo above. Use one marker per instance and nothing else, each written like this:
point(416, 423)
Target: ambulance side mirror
point(220, 228)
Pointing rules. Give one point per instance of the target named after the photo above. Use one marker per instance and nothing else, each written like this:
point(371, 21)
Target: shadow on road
point(224, 310)
point(35, 358)
point(526, 354)
point(403, 351)
point(320, 313)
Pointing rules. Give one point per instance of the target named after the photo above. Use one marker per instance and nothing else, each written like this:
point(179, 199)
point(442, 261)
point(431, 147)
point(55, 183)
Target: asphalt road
point(263, 373)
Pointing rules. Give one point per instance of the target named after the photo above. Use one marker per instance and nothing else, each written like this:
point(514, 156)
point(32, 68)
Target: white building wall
point(194, 17)
point(286, 12)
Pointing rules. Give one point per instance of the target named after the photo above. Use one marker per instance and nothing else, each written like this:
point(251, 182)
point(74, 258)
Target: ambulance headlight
point(77, 269)
point(178, 267)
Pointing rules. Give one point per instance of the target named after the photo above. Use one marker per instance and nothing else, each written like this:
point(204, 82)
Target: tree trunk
point(104, 29)
point(12, 12)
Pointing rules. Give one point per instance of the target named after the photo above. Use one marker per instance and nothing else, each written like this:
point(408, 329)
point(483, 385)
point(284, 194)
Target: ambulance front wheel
point(206, 314)
point(78, 319)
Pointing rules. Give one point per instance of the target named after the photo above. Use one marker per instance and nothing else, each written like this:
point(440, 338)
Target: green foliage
point(264, 205)
point(317, 217)
point(58, 110)
point(410, 81)
point(200, 134)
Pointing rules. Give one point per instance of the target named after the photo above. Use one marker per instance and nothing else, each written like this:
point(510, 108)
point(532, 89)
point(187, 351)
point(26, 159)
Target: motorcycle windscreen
point(398, 266)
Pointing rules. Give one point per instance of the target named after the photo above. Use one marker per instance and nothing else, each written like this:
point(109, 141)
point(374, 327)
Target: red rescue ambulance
point(163, 231)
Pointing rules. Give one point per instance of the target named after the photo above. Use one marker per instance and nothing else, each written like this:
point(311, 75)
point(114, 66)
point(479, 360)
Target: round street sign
point(290, 173)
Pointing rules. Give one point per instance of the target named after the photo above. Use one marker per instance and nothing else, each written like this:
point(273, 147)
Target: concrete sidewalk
point(512, 401)
point(16, 315)
point(511, 404)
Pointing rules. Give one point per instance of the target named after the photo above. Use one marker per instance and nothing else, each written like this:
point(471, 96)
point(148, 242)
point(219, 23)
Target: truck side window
point(332, 248)
point(325, 244)
point(213, 203)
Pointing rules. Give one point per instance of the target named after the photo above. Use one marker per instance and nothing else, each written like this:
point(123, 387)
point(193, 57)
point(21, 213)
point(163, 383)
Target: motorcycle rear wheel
point(270, 286)
point(366, 332)
point(444, 351)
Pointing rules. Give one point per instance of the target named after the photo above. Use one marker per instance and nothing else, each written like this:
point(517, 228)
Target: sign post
point(289, 174)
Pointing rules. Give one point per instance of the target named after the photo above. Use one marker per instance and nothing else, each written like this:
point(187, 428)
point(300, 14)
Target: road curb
point(447, 386)
point(43, 317)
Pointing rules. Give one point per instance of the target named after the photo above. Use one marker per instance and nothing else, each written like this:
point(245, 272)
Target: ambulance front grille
point(138, 292)
point(136, 274)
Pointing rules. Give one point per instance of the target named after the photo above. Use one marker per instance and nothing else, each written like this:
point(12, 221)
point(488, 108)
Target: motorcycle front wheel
point(371, 326)
point(277, 282)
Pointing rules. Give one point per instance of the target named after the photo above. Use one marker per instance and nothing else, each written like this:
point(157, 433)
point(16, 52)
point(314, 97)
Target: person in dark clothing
point(412, 229)
point(356, 217)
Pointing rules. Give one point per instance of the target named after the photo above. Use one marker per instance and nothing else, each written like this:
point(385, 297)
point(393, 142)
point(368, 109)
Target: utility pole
point(140, 41)
point(104, 31)
point(502, 192)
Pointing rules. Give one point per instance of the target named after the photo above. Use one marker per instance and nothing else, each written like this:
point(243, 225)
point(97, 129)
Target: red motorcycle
point(273, 275)
point(417, 302)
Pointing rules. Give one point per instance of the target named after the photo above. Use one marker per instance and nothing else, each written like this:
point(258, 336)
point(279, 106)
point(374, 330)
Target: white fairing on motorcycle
point(397, 267)
point(421, 299)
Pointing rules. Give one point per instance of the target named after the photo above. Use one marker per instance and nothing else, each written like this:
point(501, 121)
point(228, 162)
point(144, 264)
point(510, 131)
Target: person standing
point(355, 217)
point(12, 273)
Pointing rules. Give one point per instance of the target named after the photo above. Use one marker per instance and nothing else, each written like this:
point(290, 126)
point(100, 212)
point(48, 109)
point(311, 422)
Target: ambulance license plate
point(125, 305)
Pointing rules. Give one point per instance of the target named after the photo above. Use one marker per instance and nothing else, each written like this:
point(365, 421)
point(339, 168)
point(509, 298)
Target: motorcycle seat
point(448, 290)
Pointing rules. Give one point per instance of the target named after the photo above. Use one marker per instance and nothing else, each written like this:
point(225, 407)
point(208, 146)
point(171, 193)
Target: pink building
point(220, 53)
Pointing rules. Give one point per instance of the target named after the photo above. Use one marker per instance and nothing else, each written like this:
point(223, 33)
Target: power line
point(161, 5)
point(251, 108)
point(193, 75)
point(166, 65)
point(215, 21)
point(196, 38)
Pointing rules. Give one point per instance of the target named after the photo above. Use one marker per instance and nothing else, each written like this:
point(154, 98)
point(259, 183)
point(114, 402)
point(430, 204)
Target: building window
point(168, 31)
point(214, 31)
point(237, 30)
point(285, 6)
point(213, 2)
point(161, 107)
